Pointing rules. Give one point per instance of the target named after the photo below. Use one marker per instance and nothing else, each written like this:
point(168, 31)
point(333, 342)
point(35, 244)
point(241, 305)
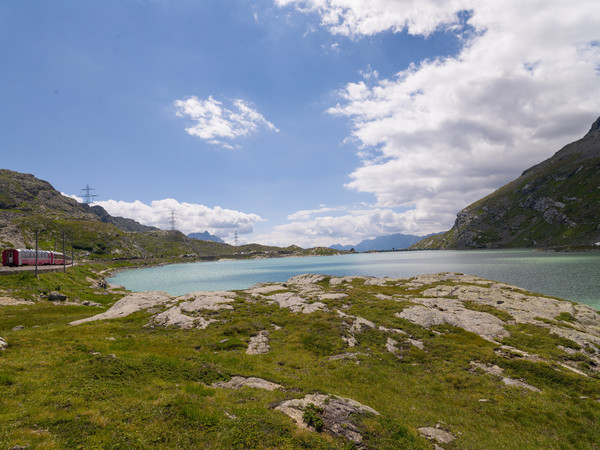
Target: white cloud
point(189, 217)
point(216, 124)
point(313, 228)
point(445, 132)
point(307, 213)
point(369, 17)
point(74, 197)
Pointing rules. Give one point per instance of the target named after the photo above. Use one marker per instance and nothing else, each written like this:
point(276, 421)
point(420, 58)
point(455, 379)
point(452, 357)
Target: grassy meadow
point(123, 384)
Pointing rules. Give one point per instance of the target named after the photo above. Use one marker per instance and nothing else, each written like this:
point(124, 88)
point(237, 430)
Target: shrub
point(312, 416)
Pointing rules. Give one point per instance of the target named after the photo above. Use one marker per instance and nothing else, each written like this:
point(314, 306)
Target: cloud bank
point(218, 125)
point(346, 226)
point(445, 132)
point(189, 217)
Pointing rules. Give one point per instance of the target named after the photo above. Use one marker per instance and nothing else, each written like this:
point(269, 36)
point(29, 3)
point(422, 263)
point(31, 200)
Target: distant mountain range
point(391, 242)
point(554, 204)
point(205, 236)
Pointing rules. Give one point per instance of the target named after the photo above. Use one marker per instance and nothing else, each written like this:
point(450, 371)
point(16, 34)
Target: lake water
point(573, 275)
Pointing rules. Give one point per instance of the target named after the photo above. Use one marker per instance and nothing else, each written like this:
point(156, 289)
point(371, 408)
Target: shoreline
point(549, 277)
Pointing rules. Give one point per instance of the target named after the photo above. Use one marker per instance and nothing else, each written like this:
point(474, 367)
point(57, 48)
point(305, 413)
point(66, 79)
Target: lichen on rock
point(259, 344)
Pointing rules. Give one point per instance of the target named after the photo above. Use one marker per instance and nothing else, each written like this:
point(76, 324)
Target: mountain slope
point(553, 204)
point(28, 204)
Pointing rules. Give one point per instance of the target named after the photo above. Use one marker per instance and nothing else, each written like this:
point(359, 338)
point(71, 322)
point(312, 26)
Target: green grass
point(120, 384)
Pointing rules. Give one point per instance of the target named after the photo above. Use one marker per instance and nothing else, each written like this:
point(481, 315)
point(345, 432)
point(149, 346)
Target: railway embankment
point(7, 270)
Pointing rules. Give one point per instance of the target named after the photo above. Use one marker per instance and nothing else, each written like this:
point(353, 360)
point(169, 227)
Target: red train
point(26, 257)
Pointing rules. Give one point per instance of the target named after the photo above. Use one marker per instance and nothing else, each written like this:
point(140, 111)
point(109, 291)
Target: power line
point(172, 220)
point(87, 194)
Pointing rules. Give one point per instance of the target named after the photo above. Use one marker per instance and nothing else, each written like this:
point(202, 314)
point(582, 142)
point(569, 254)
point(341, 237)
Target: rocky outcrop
point(185, 314)
point(498, 372)
point(437, 434)
point(297, 303)
point(25, 192)
point(334, 412)
point(174, 317)
point(250, 382)
point(431, 312)
point(583, 321)
point(259, 344)
point(476, 305)
point(357, 325)
point(136, 301)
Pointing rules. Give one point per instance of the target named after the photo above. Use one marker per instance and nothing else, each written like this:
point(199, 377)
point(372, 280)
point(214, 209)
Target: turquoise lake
point(572, 275)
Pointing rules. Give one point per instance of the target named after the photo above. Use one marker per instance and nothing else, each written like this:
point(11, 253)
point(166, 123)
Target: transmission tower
point(172, 220)
point(235, 238)
point(87, 194)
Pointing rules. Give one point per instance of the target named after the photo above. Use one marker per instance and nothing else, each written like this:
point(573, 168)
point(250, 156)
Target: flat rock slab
point(385, 281)
point(524, 307)
point(309, 278)
point(347, 355)
point(184, 315)
point(332, 296)
point(9, 301)
point(136, 301)
point(212, 301)
point(296, 303)
point(519, 384)
point(437, 434)
point(497, 371)
point(490, 369)
point(334, 281)
point(251, 382)
point(336, 413)
point(174, 317)
point(391, 346)
point(262, 289)
point(438, 311)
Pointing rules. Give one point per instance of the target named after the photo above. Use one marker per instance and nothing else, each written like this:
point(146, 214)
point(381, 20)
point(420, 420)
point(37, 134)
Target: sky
point(307, 122)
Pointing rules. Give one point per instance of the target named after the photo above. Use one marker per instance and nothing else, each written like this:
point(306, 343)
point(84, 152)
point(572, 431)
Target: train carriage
point(27, 257)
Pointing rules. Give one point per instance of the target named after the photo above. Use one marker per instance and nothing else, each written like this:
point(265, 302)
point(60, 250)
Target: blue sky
point(310, 122)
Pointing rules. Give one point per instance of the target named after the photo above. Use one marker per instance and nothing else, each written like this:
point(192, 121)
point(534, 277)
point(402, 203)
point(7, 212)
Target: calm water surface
point(573, 276)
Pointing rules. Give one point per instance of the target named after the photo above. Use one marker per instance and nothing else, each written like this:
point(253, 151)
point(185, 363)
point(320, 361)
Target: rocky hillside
point(26, 201)
point(434, 361)
point(555, 204)
point(28, 204)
